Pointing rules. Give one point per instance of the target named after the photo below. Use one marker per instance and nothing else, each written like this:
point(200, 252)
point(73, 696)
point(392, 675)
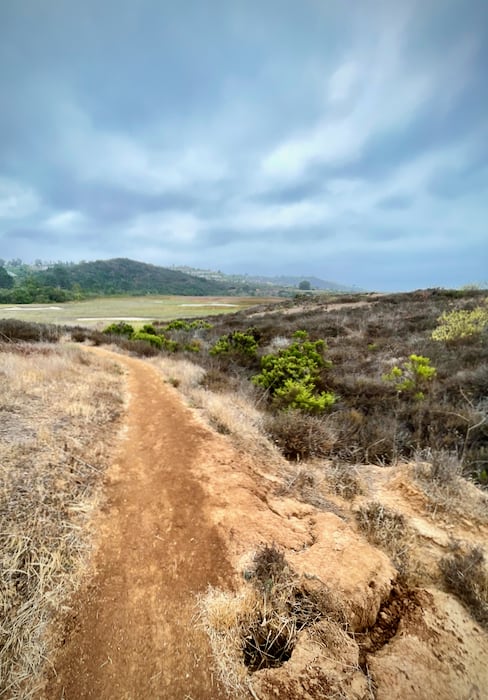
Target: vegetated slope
point(124, 276)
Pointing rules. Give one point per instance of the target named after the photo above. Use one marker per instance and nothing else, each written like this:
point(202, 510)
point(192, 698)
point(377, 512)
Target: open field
point(98, 312)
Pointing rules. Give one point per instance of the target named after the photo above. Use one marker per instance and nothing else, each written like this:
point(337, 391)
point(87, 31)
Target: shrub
point(295, 394)
point(149, 328)
point(180, 325)
point(291, 375)
point(454, 325)
point(168, 344)
point(154, 340)
point(238, 343)
point(413, 377)
point(14, 330)
point(120, 328)
point(298, 435)
point(193, 346)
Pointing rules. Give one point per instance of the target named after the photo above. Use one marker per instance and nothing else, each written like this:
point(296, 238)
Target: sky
point(346, 139)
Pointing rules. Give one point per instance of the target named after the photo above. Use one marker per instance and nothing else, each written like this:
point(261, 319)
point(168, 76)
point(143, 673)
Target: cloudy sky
point(346, 139)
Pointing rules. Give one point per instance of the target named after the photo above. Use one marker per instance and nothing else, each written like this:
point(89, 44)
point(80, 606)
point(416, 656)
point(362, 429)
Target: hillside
point(124, 276)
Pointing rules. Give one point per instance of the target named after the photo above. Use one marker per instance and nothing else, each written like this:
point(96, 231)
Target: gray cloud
point(252, 137)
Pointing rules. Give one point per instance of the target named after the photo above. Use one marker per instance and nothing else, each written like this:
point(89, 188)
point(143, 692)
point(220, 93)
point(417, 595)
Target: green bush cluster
point(461, 324)
point(120, 328)
point(155, 340)
point(237, 343)
point(180, 325)
point(291, 375)
point(413, 377)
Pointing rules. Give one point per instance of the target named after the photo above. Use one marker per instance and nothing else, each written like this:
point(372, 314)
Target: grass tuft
point(466, 576)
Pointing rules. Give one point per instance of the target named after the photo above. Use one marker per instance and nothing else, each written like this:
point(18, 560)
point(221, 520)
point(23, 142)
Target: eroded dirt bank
point(131, 632)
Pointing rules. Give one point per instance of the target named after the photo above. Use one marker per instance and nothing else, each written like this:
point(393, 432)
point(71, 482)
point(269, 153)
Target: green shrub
point(120, 328)
point(149, 328)
point(154, 340)
point(461, 324)
point(291, 375)
point(413, 378)
point(299, 394)
point(168, 344)
point(237, 343)
point(180, 325)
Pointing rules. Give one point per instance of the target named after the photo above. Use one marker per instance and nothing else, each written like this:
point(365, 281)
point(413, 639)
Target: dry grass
point(57, 409)
point(439, 475)
point(234, 414)
point(387, 529)
point(465, 574)
point(259, 626)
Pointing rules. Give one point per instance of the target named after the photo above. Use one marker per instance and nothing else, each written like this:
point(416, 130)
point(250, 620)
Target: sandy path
point(131, 633)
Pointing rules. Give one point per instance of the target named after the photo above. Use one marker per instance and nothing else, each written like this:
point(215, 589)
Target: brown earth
point(131, 631)
point(185, 510)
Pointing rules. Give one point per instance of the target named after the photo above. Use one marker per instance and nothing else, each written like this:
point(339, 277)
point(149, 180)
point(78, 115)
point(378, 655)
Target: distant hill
point(281, 281)
point(123, 276)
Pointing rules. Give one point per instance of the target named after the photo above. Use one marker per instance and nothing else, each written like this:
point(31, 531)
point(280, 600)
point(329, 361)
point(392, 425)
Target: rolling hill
point(123, 276)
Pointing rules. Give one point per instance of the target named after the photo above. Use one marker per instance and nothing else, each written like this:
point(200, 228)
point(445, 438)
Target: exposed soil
point(131, 631)
point(185, 509)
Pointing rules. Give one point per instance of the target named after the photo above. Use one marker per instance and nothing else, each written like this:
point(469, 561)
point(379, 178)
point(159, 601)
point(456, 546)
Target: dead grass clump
point(343, 480)
point(386, 529)
point(57, 409)
point(259, 627)
point(466, 576)
point(182, 373)
point(440, 476)
point(299, 435)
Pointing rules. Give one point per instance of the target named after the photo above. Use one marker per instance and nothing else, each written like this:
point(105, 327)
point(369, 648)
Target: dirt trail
point(131, 632)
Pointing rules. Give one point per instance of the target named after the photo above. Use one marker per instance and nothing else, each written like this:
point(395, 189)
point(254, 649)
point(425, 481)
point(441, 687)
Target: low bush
point(236, 343)
point(454, 325)
point(120, 328)
point(413, 377)
point(14, 330)
point(150, 338)
point(290, 376)
point(299, 435)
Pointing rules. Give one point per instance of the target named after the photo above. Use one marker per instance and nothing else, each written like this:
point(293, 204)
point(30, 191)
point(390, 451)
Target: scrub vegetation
point(316, 390)
point(373, 378)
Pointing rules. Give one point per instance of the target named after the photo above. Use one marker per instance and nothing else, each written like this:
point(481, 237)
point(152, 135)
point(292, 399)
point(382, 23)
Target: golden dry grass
point(230, 413)
point(58, 406)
